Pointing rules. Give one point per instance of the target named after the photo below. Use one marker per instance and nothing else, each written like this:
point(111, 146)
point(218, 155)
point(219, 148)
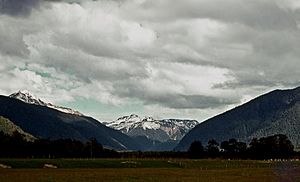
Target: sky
point(188, 59)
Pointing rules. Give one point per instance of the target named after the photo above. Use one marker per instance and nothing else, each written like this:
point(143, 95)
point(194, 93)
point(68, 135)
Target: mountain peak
point(22, 92)
point(27, 97)
point(26, 92)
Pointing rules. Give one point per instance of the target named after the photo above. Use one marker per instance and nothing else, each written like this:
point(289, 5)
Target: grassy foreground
point(148, 170)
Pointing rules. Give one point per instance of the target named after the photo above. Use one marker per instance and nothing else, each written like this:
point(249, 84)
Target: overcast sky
point(162, 58)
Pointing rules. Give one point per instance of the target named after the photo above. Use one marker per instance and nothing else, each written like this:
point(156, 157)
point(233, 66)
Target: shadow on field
point(287, 172)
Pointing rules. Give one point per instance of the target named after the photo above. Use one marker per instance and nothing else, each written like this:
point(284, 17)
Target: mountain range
point(160, 130)
point(153, 134)
point(277, 112)
point(48, 121)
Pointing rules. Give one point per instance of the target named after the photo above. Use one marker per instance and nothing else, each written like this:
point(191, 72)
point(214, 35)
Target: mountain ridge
point(153, 134)
point(45, 122)
point(276, 112)
point(165, 129)
point(29, 98)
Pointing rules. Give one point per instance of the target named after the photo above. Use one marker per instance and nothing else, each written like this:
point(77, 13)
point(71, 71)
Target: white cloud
point(192, 58)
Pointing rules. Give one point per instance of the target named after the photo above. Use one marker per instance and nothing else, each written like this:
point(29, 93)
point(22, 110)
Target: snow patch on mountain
point(27, 97)
point(151, 125)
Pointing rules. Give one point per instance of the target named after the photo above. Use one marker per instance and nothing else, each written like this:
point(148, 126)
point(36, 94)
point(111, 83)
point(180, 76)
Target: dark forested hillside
point(44, 122)
point(277, 112)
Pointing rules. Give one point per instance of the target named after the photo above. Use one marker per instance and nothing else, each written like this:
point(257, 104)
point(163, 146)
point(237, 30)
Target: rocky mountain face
point(160, 130)
point(36, 117)
point(277, 112)
point(8, 128)
point(153, 134)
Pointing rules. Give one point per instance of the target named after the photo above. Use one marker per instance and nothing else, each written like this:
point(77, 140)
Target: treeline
point(16, 146)
point(271, 147)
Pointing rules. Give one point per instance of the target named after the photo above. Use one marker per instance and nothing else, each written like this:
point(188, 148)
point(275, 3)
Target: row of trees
point(277, 146)
point(16, 146)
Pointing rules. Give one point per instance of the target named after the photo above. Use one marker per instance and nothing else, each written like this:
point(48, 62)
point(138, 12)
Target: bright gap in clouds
point(166, 59)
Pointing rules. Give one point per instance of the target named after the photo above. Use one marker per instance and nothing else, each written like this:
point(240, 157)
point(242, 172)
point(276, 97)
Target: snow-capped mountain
point(159, 130)
point(27, 97)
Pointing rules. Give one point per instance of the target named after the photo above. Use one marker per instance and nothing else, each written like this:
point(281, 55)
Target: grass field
point(148, 170)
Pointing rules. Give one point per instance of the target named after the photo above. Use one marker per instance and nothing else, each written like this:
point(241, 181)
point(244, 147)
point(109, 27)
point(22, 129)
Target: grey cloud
point(246, 82)
point(11, 38)
point(69, 1)
point(248, 52)
point(274, 72)
point(24, 7)
point(87, 67)
point(190, 101)
point(95, 48)
point(172, 100)
point(12, 44)
point(18, 7)
point(261, 14)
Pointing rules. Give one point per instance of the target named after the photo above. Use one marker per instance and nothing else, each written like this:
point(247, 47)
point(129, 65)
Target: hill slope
point(277, 112)
point(45, 122)
point(8, 128)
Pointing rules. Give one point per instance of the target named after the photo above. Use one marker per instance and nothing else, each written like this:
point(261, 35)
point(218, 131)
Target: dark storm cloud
point(18, 7)
point(24, 7)
point(67, 1)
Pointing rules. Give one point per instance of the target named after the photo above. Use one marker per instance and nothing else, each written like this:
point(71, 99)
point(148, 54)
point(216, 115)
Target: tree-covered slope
point(277, 112)
point(45, 122)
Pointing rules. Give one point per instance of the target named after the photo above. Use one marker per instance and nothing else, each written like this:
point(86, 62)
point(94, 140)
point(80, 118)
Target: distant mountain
point(153, 134)
point(27, 97)
point(277, 112)
point(8, 128)
point(42, 121)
